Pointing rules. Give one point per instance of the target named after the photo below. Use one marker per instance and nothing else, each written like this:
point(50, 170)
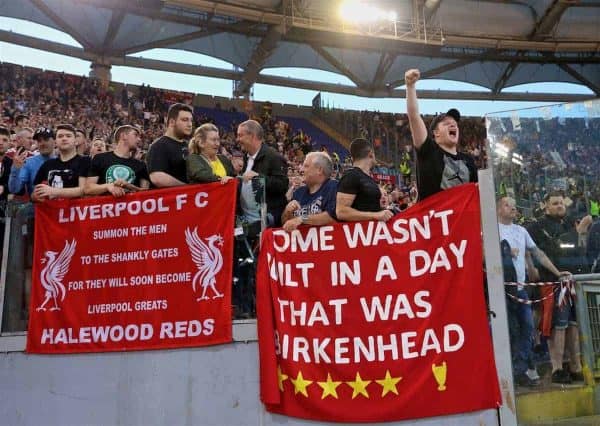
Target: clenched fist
point(411, 77)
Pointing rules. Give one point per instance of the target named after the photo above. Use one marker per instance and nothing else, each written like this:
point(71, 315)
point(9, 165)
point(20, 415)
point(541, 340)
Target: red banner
point(146, 271)
point(382, 177)
point(376, 321)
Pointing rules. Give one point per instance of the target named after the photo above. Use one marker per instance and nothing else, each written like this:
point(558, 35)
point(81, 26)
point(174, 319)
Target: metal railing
point(588, 314)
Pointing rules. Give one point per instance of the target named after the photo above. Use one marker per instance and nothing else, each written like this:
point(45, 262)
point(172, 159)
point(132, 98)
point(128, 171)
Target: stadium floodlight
point(516, 161)
point(357, 11)
point(501, 150)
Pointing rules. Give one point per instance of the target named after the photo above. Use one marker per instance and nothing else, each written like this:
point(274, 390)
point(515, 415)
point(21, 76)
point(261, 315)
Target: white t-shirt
point(519, 239)
point(250, 209)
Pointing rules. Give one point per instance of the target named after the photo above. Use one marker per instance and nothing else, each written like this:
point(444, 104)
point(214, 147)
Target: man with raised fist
point(439, 164)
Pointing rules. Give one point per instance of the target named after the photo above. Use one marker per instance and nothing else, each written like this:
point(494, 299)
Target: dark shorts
point(563, 316)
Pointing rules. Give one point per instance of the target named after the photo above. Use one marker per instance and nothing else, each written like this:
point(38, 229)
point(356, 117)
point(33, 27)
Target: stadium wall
point(211, 386)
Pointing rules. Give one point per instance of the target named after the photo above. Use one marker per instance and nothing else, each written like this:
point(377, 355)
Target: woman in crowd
point(204, 164)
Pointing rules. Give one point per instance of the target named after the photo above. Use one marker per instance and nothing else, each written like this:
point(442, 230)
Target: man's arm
point(547, 263)
point(288, 212)
point(343, 211)
point(417, 125)
point(144, 184)
point(93, 188)
point(318, 219)
point(164, 180)
point(18, 174)
point(532, 272)
point(584, 224)
point(43, 192)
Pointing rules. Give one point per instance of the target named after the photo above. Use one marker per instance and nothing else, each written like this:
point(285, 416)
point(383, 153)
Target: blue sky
point(220, 87)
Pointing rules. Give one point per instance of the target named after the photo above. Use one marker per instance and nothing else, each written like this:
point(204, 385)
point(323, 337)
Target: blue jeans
point(520, 327)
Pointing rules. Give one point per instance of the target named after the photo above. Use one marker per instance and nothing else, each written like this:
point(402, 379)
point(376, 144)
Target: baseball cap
point(43, 132)
point(67, 127)
point(452, 112)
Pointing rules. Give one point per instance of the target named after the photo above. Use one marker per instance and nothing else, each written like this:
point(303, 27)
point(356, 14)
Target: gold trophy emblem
point(439, 372)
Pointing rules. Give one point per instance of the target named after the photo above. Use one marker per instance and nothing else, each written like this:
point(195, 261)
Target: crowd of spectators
point(46, 98)
point(390, 132)
point(34, 98)
point(556, 154)
point(549, 166)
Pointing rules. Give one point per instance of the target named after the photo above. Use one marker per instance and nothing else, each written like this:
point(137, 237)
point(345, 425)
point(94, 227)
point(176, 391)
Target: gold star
point(360, 386)
point(388, 383)
point(281, 378)
point(300, 384)
point(329, 387)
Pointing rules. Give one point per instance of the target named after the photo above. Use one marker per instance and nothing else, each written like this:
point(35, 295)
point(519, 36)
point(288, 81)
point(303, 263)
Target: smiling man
point(439, 164)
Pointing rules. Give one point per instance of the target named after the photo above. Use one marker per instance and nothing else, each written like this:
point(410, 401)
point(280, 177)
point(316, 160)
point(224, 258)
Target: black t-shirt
point(5, 166)
point(367, 192)
point(558, 239)
point(168, 155)
point(63, 174)
point(109, 167)
point(438, 170)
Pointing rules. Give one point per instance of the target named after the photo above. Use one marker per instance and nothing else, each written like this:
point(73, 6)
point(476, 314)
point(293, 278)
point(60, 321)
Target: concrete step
point(557, 404)
point(576, 421)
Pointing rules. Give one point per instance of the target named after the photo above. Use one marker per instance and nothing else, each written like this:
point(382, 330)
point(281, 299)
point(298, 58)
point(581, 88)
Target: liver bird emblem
point(53, 273)
point(208, 259)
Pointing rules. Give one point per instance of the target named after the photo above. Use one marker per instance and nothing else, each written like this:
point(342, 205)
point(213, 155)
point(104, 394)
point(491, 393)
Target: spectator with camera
point(24, 170)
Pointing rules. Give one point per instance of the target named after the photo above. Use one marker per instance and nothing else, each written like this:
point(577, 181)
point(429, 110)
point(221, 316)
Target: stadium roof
point(491, 43)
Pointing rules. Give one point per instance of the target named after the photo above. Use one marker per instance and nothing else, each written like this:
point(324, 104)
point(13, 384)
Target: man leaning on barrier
point(62, 177)
point(358, 197)
point(117, 172)
point(559, 322)
point(314, 202)
point(520, 312)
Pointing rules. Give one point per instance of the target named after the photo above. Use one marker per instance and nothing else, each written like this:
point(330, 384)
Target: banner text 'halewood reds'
point(376, 321)
point(146, 271)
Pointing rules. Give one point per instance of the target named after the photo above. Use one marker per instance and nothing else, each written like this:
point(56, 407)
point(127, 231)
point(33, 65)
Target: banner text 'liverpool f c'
point(146, 271)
